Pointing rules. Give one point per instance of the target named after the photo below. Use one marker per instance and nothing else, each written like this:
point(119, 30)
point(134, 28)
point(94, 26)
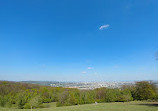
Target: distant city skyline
point(78, 40)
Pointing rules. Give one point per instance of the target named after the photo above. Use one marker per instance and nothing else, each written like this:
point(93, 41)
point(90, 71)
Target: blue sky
point(78, 40)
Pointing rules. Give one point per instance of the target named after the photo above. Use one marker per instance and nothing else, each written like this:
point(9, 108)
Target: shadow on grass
point(150, 104)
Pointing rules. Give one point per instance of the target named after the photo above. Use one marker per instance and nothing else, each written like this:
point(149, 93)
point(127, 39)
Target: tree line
point(26, 96)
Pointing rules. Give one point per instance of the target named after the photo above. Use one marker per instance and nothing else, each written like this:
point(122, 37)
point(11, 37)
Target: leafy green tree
point(3, 100)
point(145, 90)
point(71, 100)
point(125, 94)
point(35, 102)
point(62, 98)
point(9, 101)
point(100, 94)
point(21, 100)
point(45, 95)
point(112, 95)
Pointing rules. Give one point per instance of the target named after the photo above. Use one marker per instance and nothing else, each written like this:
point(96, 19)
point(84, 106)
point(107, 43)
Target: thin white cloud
point(90, 68)
point(83, 72)
point(104, 26)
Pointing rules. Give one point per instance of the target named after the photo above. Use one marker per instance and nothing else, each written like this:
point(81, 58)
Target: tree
point(62, 98)
point(45, 95)
point(33, 103)
point(3, 100)
point(21, 100)
point(145, 90)
point(112, 95)
point(125, 96)
point(100, 94)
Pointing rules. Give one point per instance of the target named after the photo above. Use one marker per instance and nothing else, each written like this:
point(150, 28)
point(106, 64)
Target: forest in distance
point(27, 96)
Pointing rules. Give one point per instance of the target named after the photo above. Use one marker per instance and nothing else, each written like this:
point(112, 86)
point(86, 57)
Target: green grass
point(117, 106)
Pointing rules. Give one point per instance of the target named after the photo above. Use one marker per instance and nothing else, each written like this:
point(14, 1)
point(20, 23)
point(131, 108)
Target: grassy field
point(131, 106)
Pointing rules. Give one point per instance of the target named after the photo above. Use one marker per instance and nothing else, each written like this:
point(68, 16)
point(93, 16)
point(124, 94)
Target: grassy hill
point(115, 106)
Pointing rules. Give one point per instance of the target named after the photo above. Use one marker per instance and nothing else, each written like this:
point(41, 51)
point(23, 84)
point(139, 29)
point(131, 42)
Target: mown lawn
point(116, 106)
